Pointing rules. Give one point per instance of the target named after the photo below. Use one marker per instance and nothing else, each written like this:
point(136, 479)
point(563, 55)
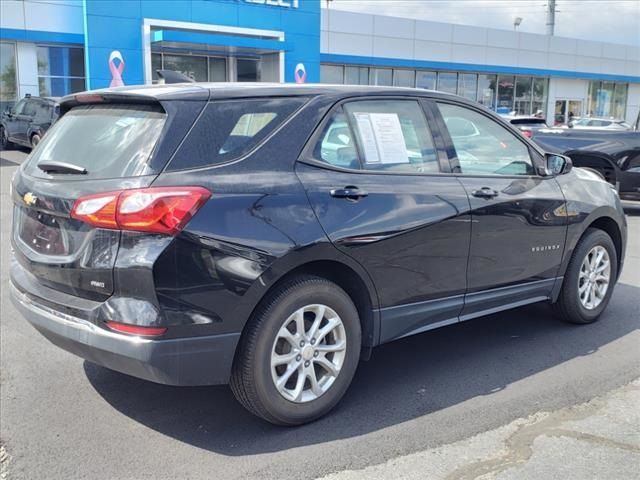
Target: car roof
point(202, 91)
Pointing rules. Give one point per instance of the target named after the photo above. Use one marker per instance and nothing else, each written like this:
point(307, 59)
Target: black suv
point(27, 121)
point(270, 235)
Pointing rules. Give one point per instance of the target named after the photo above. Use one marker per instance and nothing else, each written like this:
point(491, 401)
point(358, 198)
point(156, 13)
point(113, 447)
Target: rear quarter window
point(228, 129)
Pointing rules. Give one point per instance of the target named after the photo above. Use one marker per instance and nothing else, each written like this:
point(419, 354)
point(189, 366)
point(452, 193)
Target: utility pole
point(551, 17)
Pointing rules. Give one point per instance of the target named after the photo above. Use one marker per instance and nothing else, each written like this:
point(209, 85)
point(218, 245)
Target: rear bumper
point(204, 360)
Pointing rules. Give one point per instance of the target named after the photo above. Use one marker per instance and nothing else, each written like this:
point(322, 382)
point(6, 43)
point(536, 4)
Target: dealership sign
point(276, 3)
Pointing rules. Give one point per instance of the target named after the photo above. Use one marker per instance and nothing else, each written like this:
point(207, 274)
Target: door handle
point(485, 192)
point(350, 192)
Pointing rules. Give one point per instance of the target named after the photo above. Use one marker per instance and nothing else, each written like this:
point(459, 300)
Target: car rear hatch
point(102, 143)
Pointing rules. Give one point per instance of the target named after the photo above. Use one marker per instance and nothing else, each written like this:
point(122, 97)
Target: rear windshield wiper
point(61, 167)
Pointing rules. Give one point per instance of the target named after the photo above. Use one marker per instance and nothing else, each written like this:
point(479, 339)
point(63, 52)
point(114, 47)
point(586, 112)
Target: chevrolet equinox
point(269, 236)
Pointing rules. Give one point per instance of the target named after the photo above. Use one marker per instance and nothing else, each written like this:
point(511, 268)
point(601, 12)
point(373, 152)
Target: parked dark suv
point(270, 235)
point(27, 121)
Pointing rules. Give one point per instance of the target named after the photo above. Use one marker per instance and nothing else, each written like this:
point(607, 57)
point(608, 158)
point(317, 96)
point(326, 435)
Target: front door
point(518, 217)
point(566, 111)
point(374, 179)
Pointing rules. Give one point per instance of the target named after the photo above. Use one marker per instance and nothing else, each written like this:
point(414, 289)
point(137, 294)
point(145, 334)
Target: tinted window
point(29, 108)
point(228, 129)
point(108, 140)
point(19, 108)
point(393, 136)
point(336, 145)
point(483, 146)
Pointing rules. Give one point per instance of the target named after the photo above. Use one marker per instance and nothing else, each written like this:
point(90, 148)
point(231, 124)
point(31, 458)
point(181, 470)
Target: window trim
point(535, 153)
point(307, 157)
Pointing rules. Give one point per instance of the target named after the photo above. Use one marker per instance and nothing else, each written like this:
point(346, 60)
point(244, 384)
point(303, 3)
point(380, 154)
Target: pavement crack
point(519, 445)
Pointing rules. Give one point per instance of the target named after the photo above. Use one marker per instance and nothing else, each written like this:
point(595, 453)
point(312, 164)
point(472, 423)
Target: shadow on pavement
point(405, 379)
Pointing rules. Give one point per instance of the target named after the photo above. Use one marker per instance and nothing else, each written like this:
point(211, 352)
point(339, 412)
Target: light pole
point(516, 22)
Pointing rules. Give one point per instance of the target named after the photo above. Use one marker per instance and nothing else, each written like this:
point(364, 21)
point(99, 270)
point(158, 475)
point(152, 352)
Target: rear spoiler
point(93, 98)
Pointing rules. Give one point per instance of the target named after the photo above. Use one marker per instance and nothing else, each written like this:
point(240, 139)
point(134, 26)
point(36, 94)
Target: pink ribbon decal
point(116, 70)
point(300, 73)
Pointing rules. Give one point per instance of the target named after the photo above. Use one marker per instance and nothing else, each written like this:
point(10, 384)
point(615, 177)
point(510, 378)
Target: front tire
point(35, 140)
point(299, 352)
point(589, 279)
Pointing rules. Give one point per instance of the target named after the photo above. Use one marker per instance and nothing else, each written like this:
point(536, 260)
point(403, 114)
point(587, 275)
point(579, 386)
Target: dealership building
point(57, 47)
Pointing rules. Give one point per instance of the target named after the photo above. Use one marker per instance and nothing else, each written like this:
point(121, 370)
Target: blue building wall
point(117, 25)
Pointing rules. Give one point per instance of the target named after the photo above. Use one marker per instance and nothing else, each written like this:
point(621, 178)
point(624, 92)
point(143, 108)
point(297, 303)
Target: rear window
point(107, 140)
point(228, 129)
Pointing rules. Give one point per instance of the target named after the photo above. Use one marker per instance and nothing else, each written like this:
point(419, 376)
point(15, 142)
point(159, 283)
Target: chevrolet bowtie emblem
point(29, 198)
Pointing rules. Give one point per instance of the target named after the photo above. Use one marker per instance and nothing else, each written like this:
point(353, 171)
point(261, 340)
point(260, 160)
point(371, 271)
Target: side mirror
point(558, 164)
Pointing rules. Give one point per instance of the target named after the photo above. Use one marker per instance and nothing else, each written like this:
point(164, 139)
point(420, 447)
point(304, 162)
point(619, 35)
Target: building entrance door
point(565, 110)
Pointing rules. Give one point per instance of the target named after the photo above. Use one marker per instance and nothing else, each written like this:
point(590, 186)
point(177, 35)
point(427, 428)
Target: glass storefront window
point(190, 65)
point(380, 76)
point(522, 104)
point(607, 99)
point(447, 82)
point(426, 80)
point(620, 101)
point(217, 69)
point(60, 70)
point(404, 78)
point(505, 94)
point(487, 91)
point(356, 75)
point(156, 64)
point(467, 85)
point(539, 101)
point(8, 74)
point(248, 70)
point(331, 74)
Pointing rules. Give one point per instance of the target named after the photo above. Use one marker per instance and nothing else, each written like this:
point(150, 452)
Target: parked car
point(614, 154)
point(203, 234)
point(27, 121)
point(592, 123)
point(527, 124)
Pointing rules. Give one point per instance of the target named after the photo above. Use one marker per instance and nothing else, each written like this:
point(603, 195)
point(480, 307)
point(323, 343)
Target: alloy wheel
point(594, 277)
point(308, 353)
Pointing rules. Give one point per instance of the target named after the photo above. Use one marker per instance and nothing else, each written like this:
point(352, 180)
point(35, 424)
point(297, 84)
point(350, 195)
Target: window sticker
point(382, 138)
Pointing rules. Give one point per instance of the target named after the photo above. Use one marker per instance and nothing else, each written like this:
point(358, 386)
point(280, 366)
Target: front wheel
point(35, 140)
point(299, 352)
point(589, 279)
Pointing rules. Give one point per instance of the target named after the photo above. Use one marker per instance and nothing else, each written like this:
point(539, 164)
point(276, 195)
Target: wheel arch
point(339, 269)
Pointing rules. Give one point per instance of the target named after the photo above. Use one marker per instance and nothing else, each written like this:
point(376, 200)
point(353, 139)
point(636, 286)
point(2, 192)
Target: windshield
point(107, 140)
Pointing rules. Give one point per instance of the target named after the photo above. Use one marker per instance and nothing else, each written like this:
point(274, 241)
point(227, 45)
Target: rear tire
point(299, 352)
point(5, 144)
point(594, 263)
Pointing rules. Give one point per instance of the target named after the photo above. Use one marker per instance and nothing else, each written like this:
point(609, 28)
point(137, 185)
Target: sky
point(614, 21)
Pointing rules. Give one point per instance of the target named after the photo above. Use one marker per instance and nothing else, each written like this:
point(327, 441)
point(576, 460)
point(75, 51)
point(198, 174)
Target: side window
point(19, 108)
point(29, 108)
point(483, 146)
point(336, 146)
point(393, 136)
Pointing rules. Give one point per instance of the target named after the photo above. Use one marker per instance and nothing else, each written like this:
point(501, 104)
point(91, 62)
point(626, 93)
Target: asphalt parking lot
point(61, 417)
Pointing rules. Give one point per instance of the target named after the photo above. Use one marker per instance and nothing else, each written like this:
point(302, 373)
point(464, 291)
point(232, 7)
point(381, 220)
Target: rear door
point(114, 143)
point(518, 217)
point(376, 182)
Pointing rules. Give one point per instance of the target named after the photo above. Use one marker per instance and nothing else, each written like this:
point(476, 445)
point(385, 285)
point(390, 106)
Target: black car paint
point(20, 128)
point(613, 154)
point(404, 246)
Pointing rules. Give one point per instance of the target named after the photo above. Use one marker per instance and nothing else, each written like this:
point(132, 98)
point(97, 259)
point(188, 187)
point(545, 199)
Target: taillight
point(155, 209)
point(136, 329)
